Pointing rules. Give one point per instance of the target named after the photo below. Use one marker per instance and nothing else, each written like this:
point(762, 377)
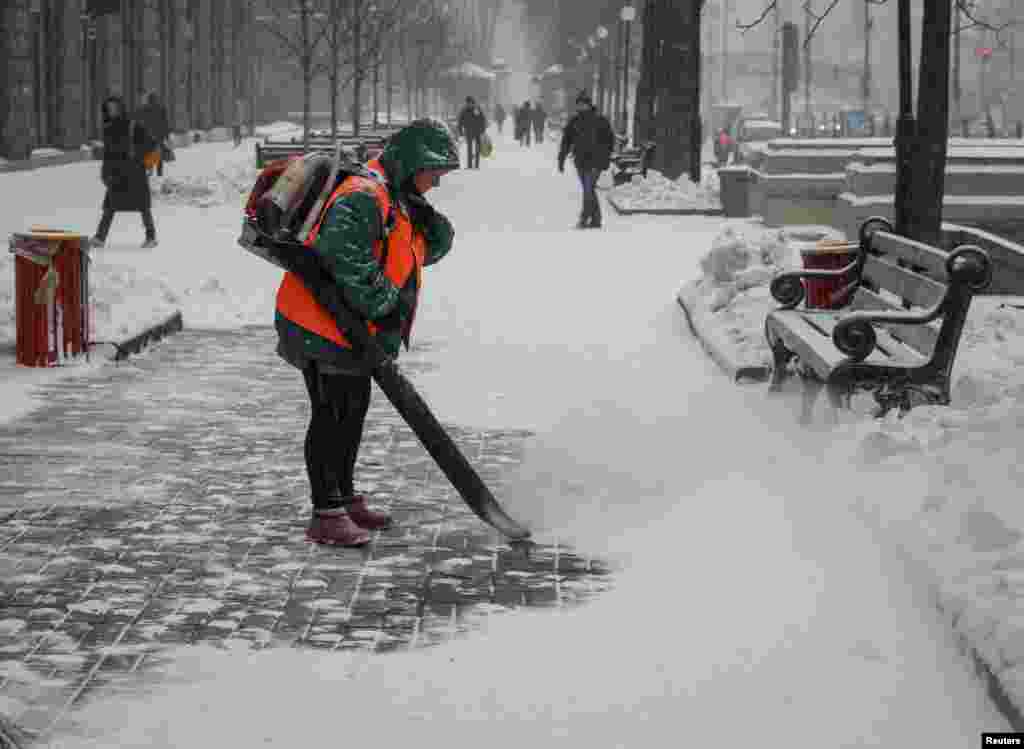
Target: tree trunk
point(677, 123)
point(644, 105)
point(928, 170)
point(357, 57)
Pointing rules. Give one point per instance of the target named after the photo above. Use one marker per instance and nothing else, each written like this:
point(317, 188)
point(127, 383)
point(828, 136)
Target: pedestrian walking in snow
point(124, 172)
point(154, 119)
point(375, 235)
point(589, 137)
point(472, 125)
point(540, 118)
point(499, 117)
point(724, 145)
point(236, 128)
point(525, 123)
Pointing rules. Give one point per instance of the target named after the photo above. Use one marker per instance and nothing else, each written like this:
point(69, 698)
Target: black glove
point(421, 213)
point(392, 320)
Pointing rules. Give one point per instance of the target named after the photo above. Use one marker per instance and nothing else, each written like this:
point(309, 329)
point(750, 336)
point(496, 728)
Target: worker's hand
point(561, 167)
point(421, 213)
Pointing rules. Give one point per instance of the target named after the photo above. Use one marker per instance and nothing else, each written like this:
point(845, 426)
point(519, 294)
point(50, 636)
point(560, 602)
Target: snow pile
point(731, 297)
point(229, 184)
point(659, 192)
point(8, 331)
point(958, 467)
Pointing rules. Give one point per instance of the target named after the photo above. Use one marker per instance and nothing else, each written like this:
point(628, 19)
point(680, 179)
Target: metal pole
point(906, 126)
point(620, 80)
point(807, 66)
point(957, 87)
point(723, 82)
point(625, 84)
point(866, 81)
point(776, 46)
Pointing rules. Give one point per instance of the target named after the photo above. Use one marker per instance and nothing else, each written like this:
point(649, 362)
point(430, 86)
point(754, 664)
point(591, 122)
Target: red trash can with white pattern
point(51, 279)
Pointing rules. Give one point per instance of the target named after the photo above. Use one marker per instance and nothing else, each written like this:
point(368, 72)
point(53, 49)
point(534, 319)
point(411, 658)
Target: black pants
point(473, 151)
point(108, 216)
point(538, 131)
point(340, 403)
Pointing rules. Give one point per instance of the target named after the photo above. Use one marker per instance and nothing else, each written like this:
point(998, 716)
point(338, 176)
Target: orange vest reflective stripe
point(406, 253)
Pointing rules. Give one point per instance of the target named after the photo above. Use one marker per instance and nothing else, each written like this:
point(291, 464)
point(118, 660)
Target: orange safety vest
point(406, 253)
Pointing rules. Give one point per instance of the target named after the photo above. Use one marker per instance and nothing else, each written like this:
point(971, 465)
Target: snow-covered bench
point(629, 162)
point(360, 148)
point(886, 339)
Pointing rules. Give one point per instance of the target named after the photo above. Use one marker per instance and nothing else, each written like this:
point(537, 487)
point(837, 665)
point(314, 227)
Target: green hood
point(423, 144)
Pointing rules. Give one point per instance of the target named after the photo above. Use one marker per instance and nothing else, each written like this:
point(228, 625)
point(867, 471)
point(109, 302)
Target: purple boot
point(364, 517)
point(335, 527)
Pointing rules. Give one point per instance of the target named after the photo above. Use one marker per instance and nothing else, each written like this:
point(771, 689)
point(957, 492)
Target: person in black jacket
point(524, 124)
point(499, 116)
point(472, 124)
point(590, 138)
point(540, 118)
point(124, 172)
point(153, 117)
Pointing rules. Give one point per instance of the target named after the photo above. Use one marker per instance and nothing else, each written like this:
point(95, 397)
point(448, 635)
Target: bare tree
point(298, 25)
point(921, 143)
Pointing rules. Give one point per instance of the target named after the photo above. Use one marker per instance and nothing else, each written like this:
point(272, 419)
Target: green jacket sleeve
point(439, 235)
point(345, 242)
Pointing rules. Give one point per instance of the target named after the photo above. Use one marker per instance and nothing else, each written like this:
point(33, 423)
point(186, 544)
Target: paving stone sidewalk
point(163, 502)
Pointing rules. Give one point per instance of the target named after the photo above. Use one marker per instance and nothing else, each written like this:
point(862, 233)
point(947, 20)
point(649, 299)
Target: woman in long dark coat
point(124, 172)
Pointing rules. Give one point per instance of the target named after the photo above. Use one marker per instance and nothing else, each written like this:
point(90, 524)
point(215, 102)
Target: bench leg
point(812, 389)
point(838, 398)
point(780, 371)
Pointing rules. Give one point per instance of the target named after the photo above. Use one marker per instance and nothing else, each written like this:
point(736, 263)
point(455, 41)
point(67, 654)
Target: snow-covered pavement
point(753, 601)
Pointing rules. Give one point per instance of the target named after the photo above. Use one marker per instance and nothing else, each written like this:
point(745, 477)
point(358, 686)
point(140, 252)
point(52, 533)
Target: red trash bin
point(51, 278)
point(827, 254)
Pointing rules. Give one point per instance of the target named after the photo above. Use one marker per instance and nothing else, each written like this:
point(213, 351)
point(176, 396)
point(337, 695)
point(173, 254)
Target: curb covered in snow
point(718, 211)
point(719, 350)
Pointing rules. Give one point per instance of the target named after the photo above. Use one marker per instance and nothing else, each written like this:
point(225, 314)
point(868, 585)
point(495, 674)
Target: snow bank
point(958, 470)
point(227, 185)
point(657, 191)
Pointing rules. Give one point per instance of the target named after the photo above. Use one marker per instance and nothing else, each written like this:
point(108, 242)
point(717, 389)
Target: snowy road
point(751, 604)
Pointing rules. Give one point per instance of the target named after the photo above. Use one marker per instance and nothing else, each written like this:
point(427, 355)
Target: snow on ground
point(962, 518)
point(752, 599)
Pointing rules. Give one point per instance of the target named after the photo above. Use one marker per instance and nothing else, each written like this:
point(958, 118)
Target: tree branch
point(764, 14)
point(817, 19)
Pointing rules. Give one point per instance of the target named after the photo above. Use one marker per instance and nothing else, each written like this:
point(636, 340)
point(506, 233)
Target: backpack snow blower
point(283, 207)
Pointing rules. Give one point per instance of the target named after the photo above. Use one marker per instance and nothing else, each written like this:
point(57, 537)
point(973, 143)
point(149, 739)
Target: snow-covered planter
point(657, 192)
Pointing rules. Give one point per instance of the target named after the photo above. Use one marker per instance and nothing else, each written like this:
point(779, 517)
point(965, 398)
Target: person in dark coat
point(123, 172)
point(499, 116)
point(590, 138)
point(153, 117)
point(540, 118)
point(525, 124)
point(472, 124)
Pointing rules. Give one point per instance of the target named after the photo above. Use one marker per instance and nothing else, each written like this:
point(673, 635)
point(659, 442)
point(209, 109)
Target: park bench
point(628, 162)
point(358, 148)
point(885, 339)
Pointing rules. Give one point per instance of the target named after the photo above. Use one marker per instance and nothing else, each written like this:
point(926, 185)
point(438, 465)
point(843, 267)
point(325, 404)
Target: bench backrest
point(901, 274)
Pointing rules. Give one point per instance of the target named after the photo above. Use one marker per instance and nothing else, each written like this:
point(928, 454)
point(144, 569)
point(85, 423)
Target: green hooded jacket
point(345, 243)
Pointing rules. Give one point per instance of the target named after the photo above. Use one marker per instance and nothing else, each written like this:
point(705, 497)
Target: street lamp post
point(627, 14)
point(86, 83)
point(602, 81)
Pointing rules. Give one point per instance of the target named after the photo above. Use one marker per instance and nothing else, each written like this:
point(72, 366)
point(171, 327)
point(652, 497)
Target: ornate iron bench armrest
point(968, 267)
point(787, 289)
